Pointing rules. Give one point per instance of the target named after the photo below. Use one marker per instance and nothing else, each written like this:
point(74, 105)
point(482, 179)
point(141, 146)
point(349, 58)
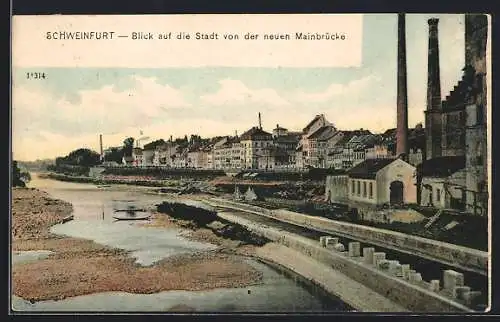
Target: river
point(280, 290)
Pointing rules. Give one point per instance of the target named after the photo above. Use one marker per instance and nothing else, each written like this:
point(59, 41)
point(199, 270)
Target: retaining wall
point(453, 255)
point(414, 294)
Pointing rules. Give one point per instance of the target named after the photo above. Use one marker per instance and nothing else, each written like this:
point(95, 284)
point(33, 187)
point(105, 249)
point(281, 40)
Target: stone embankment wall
point(98, 180)
point(396, 281)
point(453, 255)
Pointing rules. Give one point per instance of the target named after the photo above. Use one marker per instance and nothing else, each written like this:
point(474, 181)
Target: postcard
point(278, 163)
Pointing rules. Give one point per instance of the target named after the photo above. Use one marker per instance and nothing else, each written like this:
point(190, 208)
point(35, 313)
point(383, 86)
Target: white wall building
point(383, 181)
point(336, 188)
point(137, 157)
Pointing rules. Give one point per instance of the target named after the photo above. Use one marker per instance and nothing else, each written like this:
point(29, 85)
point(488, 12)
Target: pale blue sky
point(72, 106)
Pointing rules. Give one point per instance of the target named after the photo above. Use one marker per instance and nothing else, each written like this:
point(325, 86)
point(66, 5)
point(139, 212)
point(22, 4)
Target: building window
point(371, 190)
point(461, 117)
point(364, 189)
point(353, 189)
point(479, 115)
point(438, 195)
point(359, 187)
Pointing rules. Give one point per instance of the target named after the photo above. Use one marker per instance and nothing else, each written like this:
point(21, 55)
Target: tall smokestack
point(402, 96)
point(100, 145)
point(433, 76)
point(433, 112)
point(260, 122)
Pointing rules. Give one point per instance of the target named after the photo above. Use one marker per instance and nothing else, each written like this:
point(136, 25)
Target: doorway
point(397, 193)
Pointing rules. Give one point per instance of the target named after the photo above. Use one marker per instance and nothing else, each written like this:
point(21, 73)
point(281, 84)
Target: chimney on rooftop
point(260, 122)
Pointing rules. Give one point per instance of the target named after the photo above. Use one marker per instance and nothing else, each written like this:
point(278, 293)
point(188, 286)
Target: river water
point(280, 290)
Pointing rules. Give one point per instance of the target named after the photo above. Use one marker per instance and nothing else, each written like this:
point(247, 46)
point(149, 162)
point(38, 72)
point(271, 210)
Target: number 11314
point(35, 75)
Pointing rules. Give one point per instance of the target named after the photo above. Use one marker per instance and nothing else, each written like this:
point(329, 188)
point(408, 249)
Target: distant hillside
point(38, 165)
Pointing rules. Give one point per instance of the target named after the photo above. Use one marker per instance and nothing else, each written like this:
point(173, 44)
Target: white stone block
point(469, 297)
point(354, 249)
point(452, 279)
point(392, 265)
point(398, 271)
point(415, 277)
point(383, 264)
point(339, 247)
point(410, 273)
point(377, 256)
point(435, 286)
point(405, 270)
point(368, 255)
point(331, 241)
point(460, 292)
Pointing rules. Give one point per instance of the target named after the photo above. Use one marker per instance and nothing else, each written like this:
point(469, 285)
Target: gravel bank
point(79, 267)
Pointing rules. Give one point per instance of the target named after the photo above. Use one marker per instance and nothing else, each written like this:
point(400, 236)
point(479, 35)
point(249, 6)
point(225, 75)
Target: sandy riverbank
point(79, 267)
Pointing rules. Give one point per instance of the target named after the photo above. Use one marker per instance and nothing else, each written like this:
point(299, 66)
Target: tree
point(153, 145)
point(19, 179)
point(83, 157)
point(79, 157)
point(114, 155)
point(25, 176)
point(194, 139)
point(128, 145)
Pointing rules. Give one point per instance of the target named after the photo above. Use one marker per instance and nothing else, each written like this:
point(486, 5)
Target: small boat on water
point(132, 215)
point(130, 210)
point(100, 186)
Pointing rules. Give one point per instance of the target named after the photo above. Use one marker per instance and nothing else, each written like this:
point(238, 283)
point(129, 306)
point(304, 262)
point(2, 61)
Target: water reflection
point(93, 212)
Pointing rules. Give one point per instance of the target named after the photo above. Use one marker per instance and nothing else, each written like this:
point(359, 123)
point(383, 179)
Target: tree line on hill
point(78, 161)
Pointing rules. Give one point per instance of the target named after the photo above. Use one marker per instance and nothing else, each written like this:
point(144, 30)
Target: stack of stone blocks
point(453, 281)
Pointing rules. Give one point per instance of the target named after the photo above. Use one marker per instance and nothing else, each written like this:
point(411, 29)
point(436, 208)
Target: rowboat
point(132, 216)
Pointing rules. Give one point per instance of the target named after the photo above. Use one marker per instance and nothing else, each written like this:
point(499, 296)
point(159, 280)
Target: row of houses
point(254, 149)
point(320, 144)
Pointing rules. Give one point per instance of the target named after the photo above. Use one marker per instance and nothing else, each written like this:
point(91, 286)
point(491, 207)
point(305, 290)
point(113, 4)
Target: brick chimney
point(433, 75)
point(402, 96)
point(433, 122)
point(100, 147)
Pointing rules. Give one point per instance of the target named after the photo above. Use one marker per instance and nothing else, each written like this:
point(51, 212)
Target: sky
point(73, 106)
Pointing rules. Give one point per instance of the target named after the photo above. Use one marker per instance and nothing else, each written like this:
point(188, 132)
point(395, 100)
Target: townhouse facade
point(253, 144)
point(308, 145)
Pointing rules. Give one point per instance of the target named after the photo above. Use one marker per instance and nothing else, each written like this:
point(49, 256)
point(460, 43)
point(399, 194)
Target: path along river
point(280, 290)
